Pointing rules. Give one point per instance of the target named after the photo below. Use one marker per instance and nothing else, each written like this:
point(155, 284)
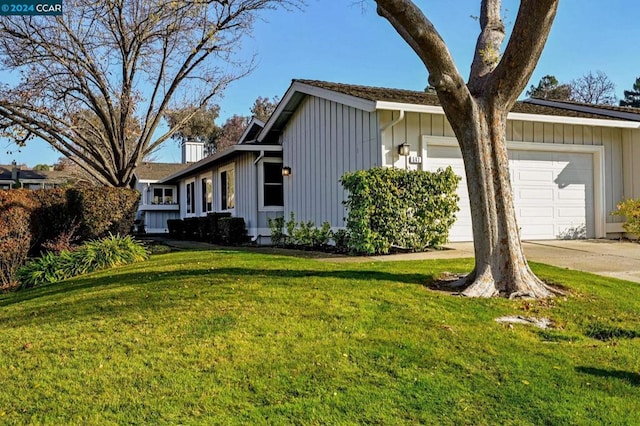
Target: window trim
point(205, 206)
point(261, 206)
point(193, 194)
point(225, 169)
point(164, 188)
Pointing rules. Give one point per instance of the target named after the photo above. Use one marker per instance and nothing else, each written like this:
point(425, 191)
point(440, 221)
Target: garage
point(553, 190)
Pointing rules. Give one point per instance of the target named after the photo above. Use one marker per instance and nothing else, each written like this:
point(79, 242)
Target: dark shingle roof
point(371, 93)
point(157, 171)
point(24, 174)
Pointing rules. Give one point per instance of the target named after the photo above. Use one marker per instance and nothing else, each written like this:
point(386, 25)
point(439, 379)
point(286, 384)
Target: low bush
point(630, 209)
point(95, 255)
point(232, 231)
point(191, 228)
point(300, 234)
point(176, 228)
point(276, 228)
point(15, 234)
point(213, 227)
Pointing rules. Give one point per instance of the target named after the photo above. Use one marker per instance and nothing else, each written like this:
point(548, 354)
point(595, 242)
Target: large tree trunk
point(500, 264)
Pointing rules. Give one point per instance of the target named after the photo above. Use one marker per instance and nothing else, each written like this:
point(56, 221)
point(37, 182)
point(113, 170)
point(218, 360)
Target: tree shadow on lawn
point(631, 378)
point(129, 286)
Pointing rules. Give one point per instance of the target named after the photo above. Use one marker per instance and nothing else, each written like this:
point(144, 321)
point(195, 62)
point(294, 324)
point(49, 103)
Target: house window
point(191, 197)
point(227, 189)
point(272, 187)
point(207, 194)
point(162, 196)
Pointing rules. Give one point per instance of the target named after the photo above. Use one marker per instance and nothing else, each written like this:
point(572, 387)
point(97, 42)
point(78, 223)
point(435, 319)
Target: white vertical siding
point(321, 142)
point(246, 191)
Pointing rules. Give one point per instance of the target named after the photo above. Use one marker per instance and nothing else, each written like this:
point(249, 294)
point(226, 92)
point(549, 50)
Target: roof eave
point(559, 119)
point(285, 107)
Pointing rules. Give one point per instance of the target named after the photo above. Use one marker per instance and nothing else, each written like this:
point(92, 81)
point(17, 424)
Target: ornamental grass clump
point(95, 255)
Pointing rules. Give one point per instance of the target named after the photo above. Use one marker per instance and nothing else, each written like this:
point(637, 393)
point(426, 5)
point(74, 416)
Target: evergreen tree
point(632, 97)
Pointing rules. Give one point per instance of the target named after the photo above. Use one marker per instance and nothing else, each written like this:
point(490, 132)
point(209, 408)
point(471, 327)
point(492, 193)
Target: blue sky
point(339, 40)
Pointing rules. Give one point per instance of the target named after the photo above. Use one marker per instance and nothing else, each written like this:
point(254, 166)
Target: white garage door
point(553, 192)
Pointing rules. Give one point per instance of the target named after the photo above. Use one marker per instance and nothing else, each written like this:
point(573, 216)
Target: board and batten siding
point(622, 147)
point(246, 195)
point(323, 140)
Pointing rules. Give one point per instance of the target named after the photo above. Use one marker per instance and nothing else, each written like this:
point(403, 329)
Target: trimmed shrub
point(392, 208)
point(630, 209)
point(191, 228)
point(232, 231)
point(93, 256)
point(101, 211)
point(213, 227)
point(175, 227)
point(15, 234)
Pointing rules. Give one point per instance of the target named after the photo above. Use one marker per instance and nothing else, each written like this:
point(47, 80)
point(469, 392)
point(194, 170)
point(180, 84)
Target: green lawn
point(238, 337)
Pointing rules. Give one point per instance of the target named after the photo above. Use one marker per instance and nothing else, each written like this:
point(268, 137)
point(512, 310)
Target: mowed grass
point(239, 337)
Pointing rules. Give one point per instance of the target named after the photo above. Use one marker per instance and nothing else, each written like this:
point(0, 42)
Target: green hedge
point(101, 211)
point(392, 208)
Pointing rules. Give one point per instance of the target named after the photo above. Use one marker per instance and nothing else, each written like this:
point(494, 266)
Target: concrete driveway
point(610, 258)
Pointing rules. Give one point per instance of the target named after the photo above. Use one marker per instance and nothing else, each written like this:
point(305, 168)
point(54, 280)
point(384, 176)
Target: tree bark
point(500, 265)
point(477, 112)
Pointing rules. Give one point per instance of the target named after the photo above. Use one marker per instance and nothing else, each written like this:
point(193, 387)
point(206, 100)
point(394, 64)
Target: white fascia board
point(558, 119)
point(307, 89)
point(397, 106)
point(341, 98)
point(253, 121)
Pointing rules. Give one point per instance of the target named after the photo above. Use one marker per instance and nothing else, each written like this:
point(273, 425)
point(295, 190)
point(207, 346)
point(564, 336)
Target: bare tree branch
point(98, 79)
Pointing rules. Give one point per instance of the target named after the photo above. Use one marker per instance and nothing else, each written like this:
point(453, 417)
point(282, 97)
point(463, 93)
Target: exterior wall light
point(286, 171)
point(404, 149)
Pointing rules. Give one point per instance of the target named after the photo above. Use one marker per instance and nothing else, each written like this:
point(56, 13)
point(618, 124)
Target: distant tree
point(119, 61)
point(632, 97)
point(202, 124)
point(231, 131)
point(41, 168)
point(549, 88)
point(263, 107)
point(200, 127)
point(595, 89)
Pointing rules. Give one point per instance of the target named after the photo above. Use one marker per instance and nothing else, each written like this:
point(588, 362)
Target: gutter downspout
point(255, 163)
point(388, 126)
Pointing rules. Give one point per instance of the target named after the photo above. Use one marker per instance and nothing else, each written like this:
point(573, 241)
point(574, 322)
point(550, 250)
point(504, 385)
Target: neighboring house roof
point(370, 98)
point(34, 176)
point(157, 171)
